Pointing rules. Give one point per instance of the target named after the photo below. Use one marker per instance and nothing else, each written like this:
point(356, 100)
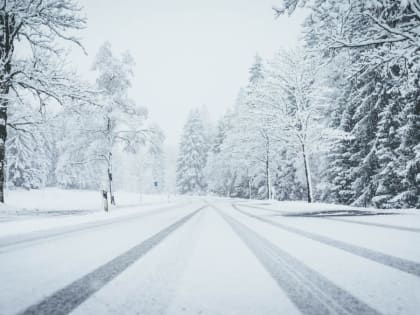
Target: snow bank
point(292, 207)
point(63, 199)
point(55, 202)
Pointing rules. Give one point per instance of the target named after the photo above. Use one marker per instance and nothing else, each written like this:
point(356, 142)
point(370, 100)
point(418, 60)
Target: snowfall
point(60, 253)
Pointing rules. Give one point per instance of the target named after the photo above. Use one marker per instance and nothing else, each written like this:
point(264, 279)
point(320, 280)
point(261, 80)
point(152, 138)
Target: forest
point(190, 157)
point(334, 120)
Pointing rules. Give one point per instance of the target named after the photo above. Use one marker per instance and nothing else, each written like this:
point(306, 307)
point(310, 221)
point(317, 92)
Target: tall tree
point(39, 24)
point(192, 156)
point(381, 40)
point(95, 139)
point(117, 121)
point(291, 102)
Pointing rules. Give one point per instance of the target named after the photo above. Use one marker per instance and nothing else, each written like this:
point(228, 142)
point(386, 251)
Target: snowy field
point(210, 256)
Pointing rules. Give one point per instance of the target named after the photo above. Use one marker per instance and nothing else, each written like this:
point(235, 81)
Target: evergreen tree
point(286, 183)
point(387, 179)
point(27, 152)
point(408, 152)
point(192, 156)
point(256, 70)
point(377, 163)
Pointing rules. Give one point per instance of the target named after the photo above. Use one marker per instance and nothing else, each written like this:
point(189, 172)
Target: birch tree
point(118, 121)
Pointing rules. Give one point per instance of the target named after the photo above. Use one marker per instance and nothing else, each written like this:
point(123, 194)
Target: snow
point(204, 266)
point(36, 210)
point(70, 199)
point(32, 272)
point(299, 207)
point(333, 119)
point(223, 277)
point(386, 289)
point(194, 276)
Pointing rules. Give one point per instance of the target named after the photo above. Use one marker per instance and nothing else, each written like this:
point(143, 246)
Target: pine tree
point(369, 98)
point(378, 163)
point(192, 156)
point(27, 163)
point(27, 148)
point(218, 170)
point(256, 70)
point(387, 180)
point(286, 182)
point(408, 152)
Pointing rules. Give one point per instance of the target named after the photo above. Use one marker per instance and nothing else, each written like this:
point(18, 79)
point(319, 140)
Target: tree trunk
point(7, 23)
point(110, 175)
point(307, 174)
point(267, 175)
point(111, 194)
point(232, 183)
point(3, 137)
point(267, 171)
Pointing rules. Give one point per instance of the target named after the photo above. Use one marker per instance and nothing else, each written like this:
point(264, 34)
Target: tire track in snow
point(311, 292)
point(381, 225)
point(323, 214)
point(384, 259)
point(68, 298)
point(262, 208)
point(331, 217)
point(8, 243)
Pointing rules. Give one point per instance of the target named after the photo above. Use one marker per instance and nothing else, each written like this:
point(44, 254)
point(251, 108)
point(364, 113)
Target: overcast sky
point(188, 53)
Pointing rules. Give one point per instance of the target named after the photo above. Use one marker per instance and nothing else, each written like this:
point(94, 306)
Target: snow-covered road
point(213, 256)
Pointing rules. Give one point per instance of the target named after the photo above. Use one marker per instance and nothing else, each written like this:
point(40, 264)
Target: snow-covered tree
point(192, 156)
point(77, 165)
point(290, 99)
point(286, 182)
point(38, 24)
point(219, 170)
point(157, 160)
point(26, 164)
point(118, 121)
point(377, 163)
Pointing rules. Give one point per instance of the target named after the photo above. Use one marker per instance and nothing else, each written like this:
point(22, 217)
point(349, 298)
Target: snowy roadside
point(317, 208)
point(64, 199)
point(36, 210)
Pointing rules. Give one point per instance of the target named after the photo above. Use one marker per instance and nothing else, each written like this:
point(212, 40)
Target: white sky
point(188, 53)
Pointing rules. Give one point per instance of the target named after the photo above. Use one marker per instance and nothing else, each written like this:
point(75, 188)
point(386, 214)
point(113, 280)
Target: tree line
point(55, 128)
point(334, 120)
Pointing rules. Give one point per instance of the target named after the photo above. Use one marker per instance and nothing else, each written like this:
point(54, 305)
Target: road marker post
point(105, 199)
